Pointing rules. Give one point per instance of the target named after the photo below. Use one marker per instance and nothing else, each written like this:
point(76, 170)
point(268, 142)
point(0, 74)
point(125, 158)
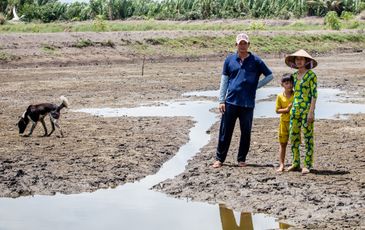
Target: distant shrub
point(49, 48)
point(346, 15)
point(353, 25)
point(5, 57)
point(108, 43)
point(362, 15)
point(75, 19)
point(193, 15)
point(31, 12)
point(2, 19)
point(52, 11)
point(156, 41)
point(257, 26)
point(99, 24)
point(332, 20)
point(82, 43)
point(361, 6)
point(286, 15)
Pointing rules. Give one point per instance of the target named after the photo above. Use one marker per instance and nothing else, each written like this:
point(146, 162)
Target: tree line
point(53, 10)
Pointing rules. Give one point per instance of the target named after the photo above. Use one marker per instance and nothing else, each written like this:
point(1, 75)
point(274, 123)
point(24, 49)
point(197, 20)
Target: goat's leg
point(31, 129)
point(52, 123)
point(59, 128)
point(45, 128)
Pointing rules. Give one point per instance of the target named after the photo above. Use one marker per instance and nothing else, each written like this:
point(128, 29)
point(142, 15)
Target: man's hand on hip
point(222, 107)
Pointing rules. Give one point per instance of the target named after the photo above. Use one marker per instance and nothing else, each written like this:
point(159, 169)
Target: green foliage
point(96, 7)
point(48, 48)
point(156, 41)
point(347, 16)
point(259, 43)
point(79, 11)
point(332, 20)
point(51, 10)
point(99, 24)
point(82, 43)
point(361, 6)
point(150, 25)
point(352, 25)
point(257, 26)
point(121, 9)
point(31, 12)
point(108, 43)
point(5, 57)
point(2, 19)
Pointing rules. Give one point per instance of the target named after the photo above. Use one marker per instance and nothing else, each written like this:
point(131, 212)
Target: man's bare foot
point(217, 164)
point(242, 164)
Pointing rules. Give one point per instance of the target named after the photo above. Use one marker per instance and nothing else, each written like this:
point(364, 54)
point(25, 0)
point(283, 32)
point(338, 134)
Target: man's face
point(242, 47)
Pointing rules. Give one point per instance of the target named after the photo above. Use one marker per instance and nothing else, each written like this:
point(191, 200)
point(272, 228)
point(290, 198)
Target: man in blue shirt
point(239, 82)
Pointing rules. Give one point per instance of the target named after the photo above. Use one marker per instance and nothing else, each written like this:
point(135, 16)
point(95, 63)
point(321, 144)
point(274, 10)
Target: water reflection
point(248, 221)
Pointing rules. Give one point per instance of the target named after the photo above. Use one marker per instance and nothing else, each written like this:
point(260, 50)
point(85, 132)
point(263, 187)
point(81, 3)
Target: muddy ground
point(99, 152)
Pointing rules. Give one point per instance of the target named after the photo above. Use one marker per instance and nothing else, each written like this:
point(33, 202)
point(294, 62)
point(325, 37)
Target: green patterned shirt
point(304, 91)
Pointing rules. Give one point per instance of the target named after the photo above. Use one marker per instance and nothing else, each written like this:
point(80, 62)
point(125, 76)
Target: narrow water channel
point(133, 205)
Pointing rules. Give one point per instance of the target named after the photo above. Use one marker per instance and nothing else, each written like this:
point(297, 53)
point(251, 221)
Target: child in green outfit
point(302, 112)
point(284, 102)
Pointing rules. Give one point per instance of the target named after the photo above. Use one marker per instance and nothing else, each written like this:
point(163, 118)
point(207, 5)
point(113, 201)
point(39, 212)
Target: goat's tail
point(64, 103)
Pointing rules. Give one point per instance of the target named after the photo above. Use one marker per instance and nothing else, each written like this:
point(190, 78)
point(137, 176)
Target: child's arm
point(279, 108)
point(284, 110)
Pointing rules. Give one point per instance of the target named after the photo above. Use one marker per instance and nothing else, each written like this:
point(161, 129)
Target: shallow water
point(133, 205)
point(328, 106)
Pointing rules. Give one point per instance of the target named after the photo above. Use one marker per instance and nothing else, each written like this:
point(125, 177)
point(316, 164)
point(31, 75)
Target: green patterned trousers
point(298, 123)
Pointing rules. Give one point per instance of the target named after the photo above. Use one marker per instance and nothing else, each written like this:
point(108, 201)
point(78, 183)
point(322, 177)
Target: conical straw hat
point(290, 59)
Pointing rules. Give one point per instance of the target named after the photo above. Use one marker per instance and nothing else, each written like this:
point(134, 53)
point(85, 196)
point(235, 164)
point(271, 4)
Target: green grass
point(4, 57)
point(50, 49)
point(82, 43)
point(282, 42)
point(149, 25)
point(203, 45)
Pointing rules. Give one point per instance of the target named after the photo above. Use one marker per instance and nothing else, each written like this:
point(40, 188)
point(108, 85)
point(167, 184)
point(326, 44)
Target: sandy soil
point(105, 152)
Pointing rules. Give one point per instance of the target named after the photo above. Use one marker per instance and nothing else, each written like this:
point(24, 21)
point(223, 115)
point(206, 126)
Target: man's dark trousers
point(229, 117)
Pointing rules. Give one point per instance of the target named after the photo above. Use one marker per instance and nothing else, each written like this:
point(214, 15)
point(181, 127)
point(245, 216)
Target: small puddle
point(133, 205)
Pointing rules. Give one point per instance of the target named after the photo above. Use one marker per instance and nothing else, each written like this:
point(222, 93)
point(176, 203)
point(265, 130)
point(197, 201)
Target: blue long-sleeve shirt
point(240, 80)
